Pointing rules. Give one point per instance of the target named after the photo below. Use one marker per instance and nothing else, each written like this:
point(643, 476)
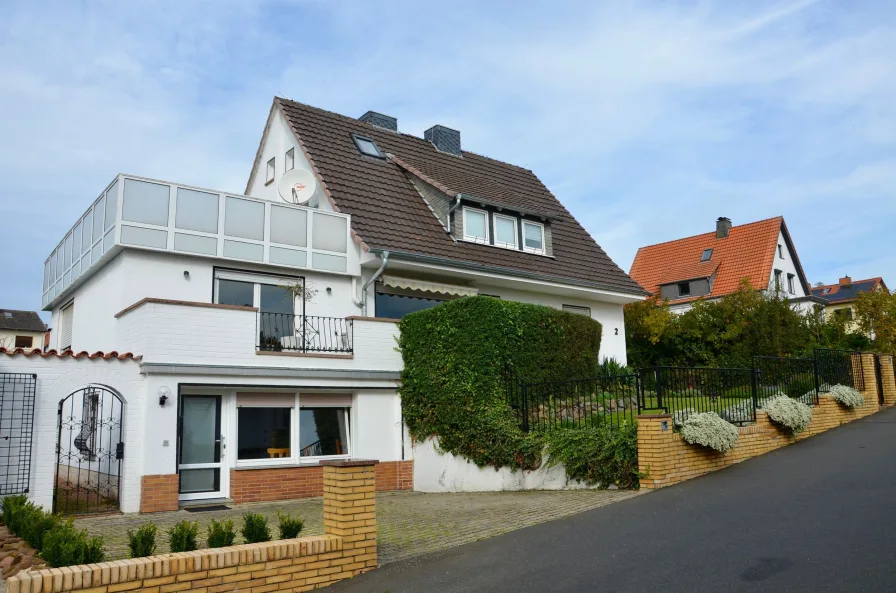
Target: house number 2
point(617, 331)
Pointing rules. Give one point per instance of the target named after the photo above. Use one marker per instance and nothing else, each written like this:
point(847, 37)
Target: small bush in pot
point(709, 430)
point(255, 528)
point(220, 534)
point(66, 546)
point(183, 536)
point(847, 396)
point(143, 541)
point(788, 412)
point(290, 527)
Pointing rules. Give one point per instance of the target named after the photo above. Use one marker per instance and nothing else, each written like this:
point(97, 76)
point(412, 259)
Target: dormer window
point(367, 146)
point(505, 231)
point(475, 225)
point(533, 237)
point(707, 254)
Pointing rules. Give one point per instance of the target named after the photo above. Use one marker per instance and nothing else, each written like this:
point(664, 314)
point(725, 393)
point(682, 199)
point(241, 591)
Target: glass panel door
point(201, 446)
point(278, 322)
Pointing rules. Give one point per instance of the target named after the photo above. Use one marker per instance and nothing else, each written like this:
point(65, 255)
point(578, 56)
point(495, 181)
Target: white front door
point(201, 448)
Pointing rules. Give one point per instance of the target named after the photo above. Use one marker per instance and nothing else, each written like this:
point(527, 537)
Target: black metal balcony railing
point(304, 333)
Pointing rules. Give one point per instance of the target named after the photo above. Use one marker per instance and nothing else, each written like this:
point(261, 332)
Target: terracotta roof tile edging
point(70, 354)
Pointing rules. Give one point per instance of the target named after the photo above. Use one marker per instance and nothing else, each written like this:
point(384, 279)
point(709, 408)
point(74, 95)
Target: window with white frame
point(577, 310)
point(271, 172)
point(290, 160)
point(533, 237)
point(505, 231)
point(265, 426)
point(323, 431)
point(279, 311)
point(779, 285)
point(791, 285)
point(65, 332)
point(476, 225)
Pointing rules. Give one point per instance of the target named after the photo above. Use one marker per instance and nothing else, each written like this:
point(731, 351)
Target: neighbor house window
point(367, 146)
point(778, 283)
point(323, 431)
point(272, 170)
point(843, 313)
point(791, 288)
point(780, 251)
point(707, 253)
point(65, 333)
point(264, 426)
point(684, 289)
point(826, 291)
point(24, 341)
point(475, 225)
point(505, 231)
point(586, 311)
point(290, 160)
point(533, 237)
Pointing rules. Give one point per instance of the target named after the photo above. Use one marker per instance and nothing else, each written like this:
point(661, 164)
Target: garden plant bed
point(16, 555)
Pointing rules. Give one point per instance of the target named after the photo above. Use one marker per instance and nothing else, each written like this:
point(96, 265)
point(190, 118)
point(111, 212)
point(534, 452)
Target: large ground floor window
point(323, 431)
point(264, 433)
point(396, 306)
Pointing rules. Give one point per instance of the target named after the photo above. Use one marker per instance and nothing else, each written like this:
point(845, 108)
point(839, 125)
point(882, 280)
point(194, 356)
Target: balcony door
point(201, 448)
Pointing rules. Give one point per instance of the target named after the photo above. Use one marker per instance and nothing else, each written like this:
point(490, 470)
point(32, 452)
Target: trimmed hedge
point(454, 355)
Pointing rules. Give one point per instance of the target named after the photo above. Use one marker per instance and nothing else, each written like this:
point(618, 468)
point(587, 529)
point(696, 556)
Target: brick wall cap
point(349, 462)
point(649, 416)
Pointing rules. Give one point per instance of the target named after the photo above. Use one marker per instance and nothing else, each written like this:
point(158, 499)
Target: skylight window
point(367, 146)
point(707, 253)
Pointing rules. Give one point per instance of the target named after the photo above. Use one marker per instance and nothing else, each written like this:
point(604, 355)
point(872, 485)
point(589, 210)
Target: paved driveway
point(817, 516)
point(409, 524)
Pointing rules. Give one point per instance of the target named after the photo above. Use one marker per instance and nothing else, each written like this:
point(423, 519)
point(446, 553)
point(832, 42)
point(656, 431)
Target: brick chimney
point(723, 226)
point(445, 139)
point(380, 120)
point(845, 281)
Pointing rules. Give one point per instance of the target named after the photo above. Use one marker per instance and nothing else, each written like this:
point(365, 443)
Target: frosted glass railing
point(157, 215)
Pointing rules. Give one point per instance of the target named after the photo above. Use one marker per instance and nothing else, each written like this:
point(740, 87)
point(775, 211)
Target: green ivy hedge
point(454, 355)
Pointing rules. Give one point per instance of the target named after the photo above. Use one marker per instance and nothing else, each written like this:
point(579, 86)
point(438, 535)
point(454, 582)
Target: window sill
point(312, 462)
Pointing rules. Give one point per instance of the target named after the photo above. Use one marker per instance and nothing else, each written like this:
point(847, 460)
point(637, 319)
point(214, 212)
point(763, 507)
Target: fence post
point(525, 407)
point(755, 385)
point(659, 390)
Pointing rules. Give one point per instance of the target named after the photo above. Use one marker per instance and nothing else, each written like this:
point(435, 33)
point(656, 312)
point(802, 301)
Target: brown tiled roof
point(21, 320)
point(388, 213)
point(748, 252)
point(69, 354)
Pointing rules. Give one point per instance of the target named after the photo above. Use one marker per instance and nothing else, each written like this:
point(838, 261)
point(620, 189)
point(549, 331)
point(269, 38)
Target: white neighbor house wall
point(57, 377)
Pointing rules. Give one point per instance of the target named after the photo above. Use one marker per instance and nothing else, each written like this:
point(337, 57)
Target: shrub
point(183, 536)
point(847, 396)
point(12, 511)
point(709, 430)
point(290, 527)
point(255, 528)
point(602, 454)
point(788, 412)
point(66, 546)
point(679, 416)
point(35, 524)
point(220, 534)
point(143, 541)
point(454, 355)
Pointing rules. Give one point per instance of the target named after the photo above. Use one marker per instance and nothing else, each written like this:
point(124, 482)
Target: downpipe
point(363, 300)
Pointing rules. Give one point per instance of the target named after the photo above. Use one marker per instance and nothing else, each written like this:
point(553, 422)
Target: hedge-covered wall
point(454, 356)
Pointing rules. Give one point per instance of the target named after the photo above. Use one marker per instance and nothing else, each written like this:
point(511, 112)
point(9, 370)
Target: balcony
point(283, 332)
point(153, 215)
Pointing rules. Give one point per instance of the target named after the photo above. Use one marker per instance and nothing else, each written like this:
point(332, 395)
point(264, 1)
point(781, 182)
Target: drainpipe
point(363, 302)
point(451, 211)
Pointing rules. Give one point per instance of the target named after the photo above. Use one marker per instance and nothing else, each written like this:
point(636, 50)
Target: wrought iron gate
point(89, 452)
point(17, 393)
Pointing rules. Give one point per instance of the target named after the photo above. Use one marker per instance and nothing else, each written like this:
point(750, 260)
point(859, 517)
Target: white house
point(711, 265)
point(254, 334)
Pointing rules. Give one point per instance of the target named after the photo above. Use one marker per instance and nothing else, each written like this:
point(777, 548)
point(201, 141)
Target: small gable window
point(791, 288)
point(684, 289)
point(367, 146)
point(707, 253)
point(505, 231)
point(533, 237)
point(826, 291)
point(269, 175)
point(780, 251)
point(475, 225)
point(290, 160)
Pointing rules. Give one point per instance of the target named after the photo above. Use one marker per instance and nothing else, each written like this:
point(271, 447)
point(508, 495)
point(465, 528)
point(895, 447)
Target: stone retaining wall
point(667, 459)
point(347, 548)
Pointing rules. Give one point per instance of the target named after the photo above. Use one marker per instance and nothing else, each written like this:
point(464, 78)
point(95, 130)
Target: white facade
point(183, 278)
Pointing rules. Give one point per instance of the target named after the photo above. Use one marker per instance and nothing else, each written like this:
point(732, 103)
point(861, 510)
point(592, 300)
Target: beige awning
point(425, 286)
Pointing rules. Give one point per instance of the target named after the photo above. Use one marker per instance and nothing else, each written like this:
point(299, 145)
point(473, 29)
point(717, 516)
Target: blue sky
point(647, 119)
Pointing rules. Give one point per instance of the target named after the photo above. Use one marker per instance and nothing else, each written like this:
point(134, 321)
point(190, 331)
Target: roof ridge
point(779, 217)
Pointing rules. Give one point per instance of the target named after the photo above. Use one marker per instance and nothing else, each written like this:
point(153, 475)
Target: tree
point(876, 318)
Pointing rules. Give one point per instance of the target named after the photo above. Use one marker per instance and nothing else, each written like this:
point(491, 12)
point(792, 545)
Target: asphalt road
point(817, 516)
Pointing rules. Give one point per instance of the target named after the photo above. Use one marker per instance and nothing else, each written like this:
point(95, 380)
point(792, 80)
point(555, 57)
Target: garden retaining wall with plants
point(667, 459)
point(347, 548)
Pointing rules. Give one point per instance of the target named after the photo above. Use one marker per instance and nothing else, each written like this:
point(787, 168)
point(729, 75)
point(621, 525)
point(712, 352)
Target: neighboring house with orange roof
point(712, 265)
point(840, 298)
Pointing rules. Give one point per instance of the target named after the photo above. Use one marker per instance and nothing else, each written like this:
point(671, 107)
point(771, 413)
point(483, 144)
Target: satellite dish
point(297, 186)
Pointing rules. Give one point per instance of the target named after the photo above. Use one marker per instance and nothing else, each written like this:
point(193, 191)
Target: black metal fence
point(285, 332)
point(733, 393)
point(17, 392)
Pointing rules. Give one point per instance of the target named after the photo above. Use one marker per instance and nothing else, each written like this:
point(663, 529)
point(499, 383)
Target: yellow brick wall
point(667, 459)
point(347, 549)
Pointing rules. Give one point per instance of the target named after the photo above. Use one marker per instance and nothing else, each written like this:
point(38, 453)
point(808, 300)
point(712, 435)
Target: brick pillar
point(870, 375)
point(888, 377)
point(654, 444)
point(159, 493)
point(350, 509)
